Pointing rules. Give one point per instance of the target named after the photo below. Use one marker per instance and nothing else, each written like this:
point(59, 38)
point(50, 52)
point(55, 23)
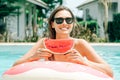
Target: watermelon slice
point(59, 45)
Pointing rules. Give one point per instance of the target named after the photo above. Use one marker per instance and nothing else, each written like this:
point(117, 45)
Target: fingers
point(72, 52)
point(43, 53)
point(44, 50)
point(74, 56)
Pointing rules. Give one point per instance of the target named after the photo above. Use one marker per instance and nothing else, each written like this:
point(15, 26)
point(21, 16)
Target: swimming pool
point(9, 53)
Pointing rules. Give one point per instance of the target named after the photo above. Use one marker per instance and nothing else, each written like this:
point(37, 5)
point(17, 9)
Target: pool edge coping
point(104, 44)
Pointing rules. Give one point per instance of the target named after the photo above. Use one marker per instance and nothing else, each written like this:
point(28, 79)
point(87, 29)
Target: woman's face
point(63, 22)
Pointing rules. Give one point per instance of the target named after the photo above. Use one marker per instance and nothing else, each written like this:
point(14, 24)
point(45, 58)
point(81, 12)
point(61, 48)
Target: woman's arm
point(93, 59)
point(34, 53)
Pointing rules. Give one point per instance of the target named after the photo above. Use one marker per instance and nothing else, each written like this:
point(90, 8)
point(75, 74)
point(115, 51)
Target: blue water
point(10, 53)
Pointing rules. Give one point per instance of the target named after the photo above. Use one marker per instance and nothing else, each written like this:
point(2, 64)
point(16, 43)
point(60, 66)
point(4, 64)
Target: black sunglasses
point(60, 20)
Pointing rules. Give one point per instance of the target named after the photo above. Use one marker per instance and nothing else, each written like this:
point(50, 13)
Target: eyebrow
point(63, 17)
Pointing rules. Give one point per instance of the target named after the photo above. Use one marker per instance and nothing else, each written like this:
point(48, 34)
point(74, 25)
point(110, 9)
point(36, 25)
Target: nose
point(64, 22)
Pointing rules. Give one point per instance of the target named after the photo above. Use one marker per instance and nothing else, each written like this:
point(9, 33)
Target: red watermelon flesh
point(59, 45)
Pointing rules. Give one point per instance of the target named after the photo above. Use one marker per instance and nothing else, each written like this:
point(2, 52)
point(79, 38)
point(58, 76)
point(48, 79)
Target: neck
point(63, 36)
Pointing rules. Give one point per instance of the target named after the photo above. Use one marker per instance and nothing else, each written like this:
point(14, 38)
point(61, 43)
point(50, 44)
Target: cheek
point(54, 25)
point(71, 26)
point(57, 27)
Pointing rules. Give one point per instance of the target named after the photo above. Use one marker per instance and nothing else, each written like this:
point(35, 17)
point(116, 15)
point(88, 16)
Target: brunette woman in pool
point(61, 22)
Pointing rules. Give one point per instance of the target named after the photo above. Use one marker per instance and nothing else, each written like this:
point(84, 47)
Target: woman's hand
point(74, 56)
point(40, 54)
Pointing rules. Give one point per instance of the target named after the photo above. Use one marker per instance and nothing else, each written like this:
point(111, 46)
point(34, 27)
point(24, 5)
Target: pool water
point(10, 53)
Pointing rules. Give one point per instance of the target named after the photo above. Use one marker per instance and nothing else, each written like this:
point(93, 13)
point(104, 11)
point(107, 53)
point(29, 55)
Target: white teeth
point(64, 28)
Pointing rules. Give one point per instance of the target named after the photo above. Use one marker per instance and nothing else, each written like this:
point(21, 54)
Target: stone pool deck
point(104, 44)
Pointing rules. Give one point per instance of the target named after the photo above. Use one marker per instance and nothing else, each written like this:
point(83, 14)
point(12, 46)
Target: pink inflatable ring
point(53, 70)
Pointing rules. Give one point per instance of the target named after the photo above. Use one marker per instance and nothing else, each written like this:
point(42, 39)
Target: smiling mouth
point(64, 29)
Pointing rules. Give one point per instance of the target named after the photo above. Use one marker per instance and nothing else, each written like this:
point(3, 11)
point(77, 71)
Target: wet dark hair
point(52, 32)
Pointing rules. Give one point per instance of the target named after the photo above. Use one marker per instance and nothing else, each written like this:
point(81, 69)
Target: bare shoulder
point(84, 47)
point(40, 42)
point(81, 42)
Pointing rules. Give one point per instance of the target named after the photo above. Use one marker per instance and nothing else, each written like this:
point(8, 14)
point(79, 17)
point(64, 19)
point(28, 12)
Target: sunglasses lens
point(69, 20)
point(59, 20)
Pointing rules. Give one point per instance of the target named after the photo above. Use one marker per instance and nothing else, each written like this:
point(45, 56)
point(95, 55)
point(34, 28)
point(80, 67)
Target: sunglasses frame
point(62, 19)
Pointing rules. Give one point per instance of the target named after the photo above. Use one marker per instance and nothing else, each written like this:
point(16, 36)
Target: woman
point(61, 22)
